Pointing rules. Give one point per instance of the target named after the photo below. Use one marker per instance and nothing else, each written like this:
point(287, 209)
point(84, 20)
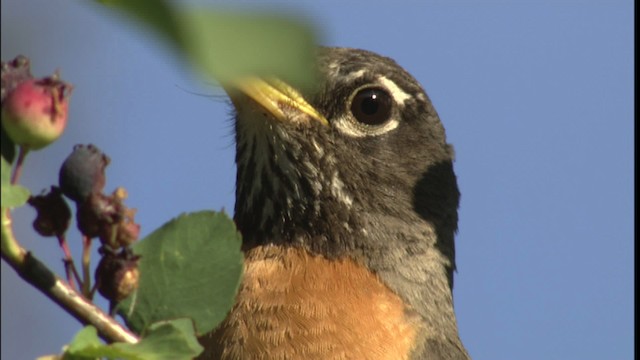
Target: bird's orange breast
point(293, 305)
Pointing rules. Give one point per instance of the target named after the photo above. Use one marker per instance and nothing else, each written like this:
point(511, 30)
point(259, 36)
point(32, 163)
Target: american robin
point(347, 202)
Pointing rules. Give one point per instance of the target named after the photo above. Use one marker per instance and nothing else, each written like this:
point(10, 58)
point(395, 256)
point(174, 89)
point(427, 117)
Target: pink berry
point(35, 113)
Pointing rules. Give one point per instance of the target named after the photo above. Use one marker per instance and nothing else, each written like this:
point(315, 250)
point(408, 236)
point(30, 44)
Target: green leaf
point(85, 341)
point(229, 45)
point(155, 15)
point(7, 146)
point(11, 195)
point(190, 268)
point(173, 340)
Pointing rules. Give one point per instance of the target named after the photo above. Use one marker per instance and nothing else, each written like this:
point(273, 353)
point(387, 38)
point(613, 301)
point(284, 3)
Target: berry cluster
point(34, 114)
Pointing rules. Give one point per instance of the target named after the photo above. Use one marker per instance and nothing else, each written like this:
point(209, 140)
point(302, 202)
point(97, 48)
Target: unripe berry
point(117, 275)
point(35, 113)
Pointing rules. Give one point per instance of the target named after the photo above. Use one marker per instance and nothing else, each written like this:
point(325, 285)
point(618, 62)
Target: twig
point(37, 274)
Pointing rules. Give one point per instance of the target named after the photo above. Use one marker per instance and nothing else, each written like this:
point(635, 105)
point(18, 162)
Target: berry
point(97, 214)
point(108, 218)
point(82, 173)
point(126, 231)
point(54, 214)
point(34, 114)
point(117, 274)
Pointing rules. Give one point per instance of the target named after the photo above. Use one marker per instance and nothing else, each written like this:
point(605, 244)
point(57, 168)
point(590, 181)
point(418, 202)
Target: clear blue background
point(536, 96)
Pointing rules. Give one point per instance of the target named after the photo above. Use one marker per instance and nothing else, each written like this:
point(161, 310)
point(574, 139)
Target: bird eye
point(371, 106)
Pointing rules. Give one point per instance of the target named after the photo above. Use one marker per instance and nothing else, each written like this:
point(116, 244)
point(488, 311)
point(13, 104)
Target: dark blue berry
point(82, 173)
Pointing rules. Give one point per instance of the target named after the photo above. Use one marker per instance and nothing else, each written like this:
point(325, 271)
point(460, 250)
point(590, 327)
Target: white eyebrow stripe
point(398, 95)
point(355, 75)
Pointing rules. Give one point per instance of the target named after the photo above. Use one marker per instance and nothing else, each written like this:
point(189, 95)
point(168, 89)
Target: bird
point(347, 201)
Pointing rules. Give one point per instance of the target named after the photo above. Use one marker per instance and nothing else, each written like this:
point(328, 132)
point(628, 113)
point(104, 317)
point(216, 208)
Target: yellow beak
point(278, 98)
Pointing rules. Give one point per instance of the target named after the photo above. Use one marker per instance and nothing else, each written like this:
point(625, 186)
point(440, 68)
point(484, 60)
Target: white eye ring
point(363, 122)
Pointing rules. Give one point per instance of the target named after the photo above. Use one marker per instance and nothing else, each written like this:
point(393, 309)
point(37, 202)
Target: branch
point(37, 274)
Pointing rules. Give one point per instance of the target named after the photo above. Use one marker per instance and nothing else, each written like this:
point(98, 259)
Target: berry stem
point(94, 288)
point(86, 267)
point(17, 171)
point(69, 266)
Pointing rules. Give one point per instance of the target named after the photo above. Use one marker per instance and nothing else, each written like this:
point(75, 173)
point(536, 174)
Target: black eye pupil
point(371, 106)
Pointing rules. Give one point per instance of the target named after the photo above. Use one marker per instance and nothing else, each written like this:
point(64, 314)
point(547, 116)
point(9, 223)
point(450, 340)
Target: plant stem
point(17, 171)
point(12, 252)
point(37, 274)
point(86, 267)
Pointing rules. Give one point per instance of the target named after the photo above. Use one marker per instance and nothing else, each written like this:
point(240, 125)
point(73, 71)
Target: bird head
point(357, 167)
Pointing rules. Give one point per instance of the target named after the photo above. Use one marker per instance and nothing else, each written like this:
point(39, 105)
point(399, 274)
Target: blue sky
point(536, 96)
